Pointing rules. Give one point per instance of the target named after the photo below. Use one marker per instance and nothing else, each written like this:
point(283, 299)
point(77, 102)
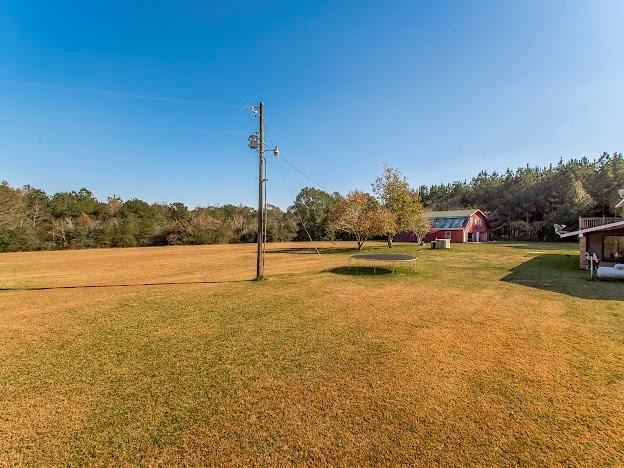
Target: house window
point(447, 234)
point(612, 248)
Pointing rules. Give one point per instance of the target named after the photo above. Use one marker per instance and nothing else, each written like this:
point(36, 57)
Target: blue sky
point(440, 90)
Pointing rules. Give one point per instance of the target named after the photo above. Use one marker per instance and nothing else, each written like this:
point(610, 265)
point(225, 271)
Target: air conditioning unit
point(443, 243)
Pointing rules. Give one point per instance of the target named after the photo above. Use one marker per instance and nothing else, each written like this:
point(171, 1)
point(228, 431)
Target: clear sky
point(440, 90)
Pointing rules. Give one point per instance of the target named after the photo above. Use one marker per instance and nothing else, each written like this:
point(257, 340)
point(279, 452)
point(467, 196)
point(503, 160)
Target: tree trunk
point(389, 241)
point(360, 244)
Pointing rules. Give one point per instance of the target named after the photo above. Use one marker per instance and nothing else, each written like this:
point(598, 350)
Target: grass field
point(487, 354)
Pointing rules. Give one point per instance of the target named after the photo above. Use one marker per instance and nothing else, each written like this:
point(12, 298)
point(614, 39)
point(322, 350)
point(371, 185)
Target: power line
point(298, 212)
point(303, 174)
point(72, 89)
point(263, 133)
point(293, 166)
point(65, 123)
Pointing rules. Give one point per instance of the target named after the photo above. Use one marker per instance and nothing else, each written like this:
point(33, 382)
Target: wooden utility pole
point(261, 182)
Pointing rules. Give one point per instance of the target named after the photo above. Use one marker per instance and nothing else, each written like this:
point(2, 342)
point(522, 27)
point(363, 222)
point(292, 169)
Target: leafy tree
point(396, 196)
point(386, 223)
point(312, 209)
point(75, 203)
point(281, 226)
point(421, 225)
point(358, 215)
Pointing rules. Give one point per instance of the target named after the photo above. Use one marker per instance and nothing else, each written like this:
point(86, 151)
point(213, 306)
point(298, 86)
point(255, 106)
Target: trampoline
point(381, 258)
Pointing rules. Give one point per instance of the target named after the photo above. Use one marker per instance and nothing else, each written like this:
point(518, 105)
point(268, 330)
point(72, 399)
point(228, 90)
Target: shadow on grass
point(360, 271)
point(545, 246)
point(560, 273)
point(310, 250)
point(121, 285)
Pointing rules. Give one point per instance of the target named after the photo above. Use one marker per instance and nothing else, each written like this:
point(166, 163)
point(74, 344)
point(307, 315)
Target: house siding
point(457, 235)
point(478, 223)
point(404, 237)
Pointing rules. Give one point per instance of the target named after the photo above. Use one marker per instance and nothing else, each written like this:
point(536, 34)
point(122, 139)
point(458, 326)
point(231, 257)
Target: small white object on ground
point(614, 272)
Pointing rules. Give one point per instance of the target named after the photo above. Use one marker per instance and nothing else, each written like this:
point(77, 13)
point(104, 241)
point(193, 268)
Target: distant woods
point(525, 203)
point(522, 204)
point(32, 220)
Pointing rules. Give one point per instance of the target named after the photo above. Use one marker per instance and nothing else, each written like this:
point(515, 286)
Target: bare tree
point(61, 228)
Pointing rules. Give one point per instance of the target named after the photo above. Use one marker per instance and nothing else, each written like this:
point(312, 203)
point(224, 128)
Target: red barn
point(469, 225)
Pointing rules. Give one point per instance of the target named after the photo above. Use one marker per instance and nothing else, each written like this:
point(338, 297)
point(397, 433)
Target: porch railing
point(585, 223)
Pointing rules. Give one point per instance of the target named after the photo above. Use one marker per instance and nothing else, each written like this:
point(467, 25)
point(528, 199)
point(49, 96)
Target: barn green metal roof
point(450, 223)
point(452, 213)
point(451, 219)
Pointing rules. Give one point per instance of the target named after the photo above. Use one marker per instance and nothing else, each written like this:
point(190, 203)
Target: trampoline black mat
point(385, 257)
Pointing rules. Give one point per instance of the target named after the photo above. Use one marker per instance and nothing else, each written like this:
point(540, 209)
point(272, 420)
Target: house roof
point(604, 227)
point(453, 213)
point(452, 219)
point(450, 223)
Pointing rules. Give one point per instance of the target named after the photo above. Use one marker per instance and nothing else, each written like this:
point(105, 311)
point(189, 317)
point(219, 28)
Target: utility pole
point(261, 182)
point(256, 143)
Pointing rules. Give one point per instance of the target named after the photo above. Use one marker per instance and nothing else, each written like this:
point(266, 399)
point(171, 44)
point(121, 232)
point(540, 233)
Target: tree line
point(525, 203)
point(522, 204)
point(32, 220)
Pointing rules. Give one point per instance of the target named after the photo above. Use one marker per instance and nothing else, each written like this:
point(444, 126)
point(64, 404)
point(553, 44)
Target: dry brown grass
point(488, 354)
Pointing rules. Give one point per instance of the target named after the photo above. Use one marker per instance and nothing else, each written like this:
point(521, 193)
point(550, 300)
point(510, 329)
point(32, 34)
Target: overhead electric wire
point(118, 126)
point(290, 194)
point(293, 166)
point(297, 210)
point(73, 89)
point(303, 173)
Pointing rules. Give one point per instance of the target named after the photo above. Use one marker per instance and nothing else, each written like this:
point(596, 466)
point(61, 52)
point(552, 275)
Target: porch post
point(582, 249)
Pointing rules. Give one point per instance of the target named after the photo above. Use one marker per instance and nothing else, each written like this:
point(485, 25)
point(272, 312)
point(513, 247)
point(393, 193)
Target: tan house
point(603, 237)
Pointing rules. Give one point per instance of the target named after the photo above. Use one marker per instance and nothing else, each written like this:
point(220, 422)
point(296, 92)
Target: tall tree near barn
point(395, 195)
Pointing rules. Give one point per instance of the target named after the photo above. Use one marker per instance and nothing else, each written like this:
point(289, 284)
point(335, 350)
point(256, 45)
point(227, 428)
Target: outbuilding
point(469, 225)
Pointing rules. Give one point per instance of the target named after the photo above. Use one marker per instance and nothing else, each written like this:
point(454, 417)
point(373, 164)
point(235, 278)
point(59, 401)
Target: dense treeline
point(523, 204)
point(32, 220)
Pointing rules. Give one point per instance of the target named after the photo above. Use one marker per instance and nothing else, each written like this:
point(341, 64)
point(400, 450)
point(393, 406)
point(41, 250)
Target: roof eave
point(604, 227)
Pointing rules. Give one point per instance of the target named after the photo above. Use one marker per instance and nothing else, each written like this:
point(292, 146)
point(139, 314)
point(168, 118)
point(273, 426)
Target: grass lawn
point(487, 354)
